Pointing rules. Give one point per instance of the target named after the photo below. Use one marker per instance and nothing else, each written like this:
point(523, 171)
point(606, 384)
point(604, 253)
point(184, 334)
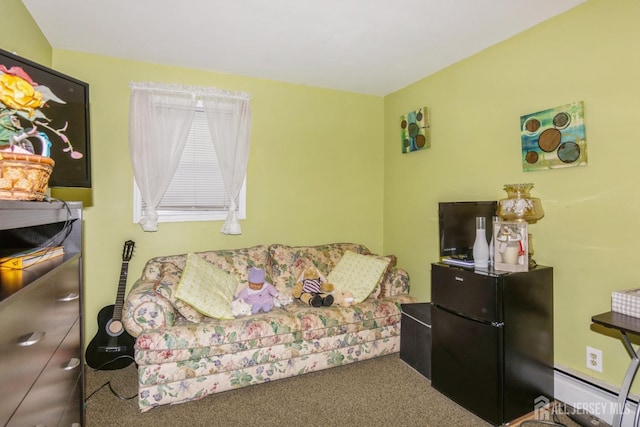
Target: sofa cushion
point(167, 286)
point(237, 262)
point(292, 325)
point(234, 261)
point(287, 262)
point(358, 274)
point(207, 288)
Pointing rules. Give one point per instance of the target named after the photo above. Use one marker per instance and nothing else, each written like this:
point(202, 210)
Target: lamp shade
point(519, 205)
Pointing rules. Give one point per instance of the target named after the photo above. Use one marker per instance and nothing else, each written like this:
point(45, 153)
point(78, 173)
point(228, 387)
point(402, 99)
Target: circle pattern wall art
point(554, 138)
point(415, 130)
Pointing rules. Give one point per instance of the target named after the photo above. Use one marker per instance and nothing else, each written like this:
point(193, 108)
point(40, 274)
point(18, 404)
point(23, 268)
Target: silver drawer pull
point(31, 339)
point(459, 279)
point(70, 297)
point(73, 363)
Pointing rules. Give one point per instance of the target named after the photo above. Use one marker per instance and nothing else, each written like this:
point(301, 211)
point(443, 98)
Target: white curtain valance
point(197, 91)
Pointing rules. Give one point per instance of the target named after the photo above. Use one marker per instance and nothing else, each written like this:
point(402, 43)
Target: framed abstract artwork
point(45, 112)
point(415, 130)
point(554, 138)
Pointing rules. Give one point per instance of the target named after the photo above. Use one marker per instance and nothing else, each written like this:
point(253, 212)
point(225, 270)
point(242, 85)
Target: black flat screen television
point(457, 226)
point(50, 117)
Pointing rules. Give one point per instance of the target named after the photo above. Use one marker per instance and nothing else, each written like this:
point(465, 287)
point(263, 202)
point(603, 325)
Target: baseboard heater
point(584, 395)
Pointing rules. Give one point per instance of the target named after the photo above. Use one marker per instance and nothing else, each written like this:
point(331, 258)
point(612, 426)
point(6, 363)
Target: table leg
point(626, 383)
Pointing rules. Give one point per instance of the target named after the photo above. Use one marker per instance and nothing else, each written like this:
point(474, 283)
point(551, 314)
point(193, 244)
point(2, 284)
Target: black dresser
point(40, 317)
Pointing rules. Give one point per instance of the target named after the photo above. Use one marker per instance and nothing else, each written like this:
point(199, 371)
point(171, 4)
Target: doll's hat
point(256, 275)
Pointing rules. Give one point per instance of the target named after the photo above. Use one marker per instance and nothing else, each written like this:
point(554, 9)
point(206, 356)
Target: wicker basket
point(24, 176)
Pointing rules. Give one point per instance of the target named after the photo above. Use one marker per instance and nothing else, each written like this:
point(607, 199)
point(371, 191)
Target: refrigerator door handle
point(475, 319)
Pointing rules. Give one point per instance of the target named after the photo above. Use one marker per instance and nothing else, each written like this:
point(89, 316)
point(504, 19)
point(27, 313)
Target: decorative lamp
point(520, 206)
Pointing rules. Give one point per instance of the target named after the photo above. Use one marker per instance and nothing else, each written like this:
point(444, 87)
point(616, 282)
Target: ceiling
point(365, 46)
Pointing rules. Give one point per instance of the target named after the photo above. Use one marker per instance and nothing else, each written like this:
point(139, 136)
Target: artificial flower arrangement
point(22, 117)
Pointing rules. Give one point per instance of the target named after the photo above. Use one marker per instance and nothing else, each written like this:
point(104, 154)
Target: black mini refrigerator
point(492, 339)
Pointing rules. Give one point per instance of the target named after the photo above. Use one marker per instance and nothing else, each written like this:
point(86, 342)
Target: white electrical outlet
point(594, 359)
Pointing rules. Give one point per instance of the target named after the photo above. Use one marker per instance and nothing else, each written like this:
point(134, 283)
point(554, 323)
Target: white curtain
point(159, 123)
point(160, 118)
point(229, 120)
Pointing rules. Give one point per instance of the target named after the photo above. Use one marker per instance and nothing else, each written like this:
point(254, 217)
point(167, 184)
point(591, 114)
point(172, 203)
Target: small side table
point(625, 324)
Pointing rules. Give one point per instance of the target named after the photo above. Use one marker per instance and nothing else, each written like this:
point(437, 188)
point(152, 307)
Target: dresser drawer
point(463, 291)
point(54, 393)
point(66, 291)
point(33, 323)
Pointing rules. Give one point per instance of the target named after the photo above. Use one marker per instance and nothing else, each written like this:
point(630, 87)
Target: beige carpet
point(379, 392)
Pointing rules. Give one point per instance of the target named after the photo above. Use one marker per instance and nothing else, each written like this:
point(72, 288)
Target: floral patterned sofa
point(183, 355)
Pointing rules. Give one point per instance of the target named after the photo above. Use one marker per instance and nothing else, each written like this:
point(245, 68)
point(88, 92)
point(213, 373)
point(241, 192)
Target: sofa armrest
point(396, 283)
point(144, 309)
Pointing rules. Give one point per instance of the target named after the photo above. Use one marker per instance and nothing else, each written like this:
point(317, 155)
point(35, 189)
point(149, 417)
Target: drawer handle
point(31, 339)
point(459, 279)
point(70, 297)
point(73, 363)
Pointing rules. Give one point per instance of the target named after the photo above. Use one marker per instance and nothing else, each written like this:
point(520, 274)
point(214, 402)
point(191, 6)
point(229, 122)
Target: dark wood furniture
point(492, 339)
point(415, 336)
point(40, 317)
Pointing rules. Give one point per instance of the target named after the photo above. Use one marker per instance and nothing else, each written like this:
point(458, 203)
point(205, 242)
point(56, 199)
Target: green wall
point(326, 165)
point(589, 233)
point(21, 35)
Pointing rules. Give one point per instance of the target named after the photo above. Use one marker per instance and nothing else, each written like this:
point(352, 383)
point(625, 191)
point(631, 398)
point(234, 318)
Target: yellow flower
point(18, 94)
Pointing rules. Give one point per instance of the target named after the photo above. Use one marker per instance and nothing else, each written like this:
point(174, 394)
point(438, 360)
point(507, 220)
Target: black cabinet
point(415, 336)
point(40, 317)
point(492, 339)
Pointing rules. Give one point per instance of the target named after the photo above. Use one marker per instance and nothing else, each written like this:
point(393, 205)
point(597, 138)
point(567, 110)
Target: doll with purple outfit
point(258, 293)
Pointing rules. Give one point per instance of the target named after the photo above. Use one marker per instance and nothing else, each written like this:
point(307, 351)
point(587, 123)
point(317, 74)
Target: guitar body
point(110, 350)
point(112, 347)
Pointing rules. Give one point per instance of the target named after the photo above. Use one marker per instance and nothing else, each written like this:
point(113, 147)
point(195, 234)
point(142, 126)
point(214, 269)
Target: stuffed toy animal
point(282, 300)
point(313, 289)
point(240, 308)
point(343, 298)
point(258, 293)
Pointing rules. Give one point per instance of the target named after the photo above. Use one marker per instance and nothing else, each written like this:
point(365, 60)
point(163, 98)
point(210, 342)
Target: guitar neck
point(122, 285)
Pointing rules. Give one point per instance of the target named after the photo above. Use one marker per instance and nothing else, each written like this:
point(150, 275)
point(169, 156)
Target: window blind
point(197, 183)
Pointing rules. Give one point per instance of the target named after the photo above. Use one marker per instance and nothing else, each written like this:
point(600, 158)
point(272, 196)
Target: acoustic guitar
point(112, 347)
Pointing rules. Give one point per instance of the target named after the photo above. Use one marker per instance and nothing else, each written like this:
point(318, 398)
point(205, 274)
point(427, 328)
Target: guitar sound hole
point(114, 328)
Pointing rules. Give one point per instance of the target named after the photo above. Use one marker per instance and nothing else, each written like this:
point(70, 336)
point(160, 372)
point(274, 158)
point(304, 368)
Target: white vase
point(491, 243)
point(480, 246)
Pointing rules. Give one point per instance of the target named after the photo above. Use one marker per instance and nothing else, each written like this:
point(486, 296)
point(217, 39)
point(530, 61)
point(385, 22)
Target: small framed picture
point(511, 246)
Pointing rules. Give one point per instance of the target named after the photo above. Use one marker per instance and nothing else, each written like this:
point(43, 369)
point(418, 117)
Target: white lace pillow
point(358, 274)
point(207, 288)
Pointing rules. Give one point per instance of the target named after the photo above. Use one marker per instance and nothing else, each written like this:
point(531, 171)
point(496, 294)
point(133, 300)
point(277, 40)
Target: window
point(196, 191)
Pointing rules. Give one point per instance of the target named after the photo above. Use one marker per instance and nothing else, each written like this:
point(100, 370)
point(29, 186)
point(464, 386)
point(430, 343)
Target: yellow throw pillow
point(358, 274)
point(206, 288)
point(167, 286)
